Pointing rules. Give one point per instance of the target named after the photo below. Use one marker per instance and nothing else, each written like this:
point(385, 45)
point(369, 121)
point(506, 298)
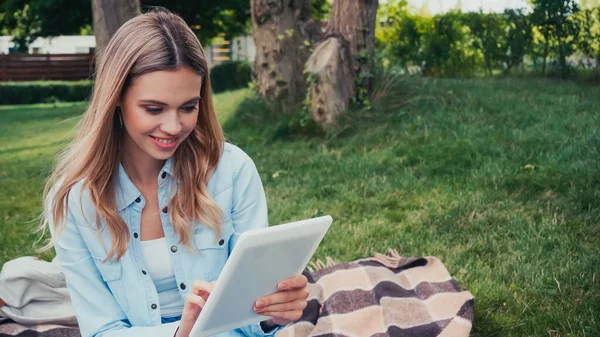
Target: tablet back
point(260, 260)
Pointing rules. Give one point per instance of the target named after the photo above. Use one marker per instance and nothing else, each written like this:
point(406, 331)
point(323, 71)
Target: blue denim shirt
point(118, 298)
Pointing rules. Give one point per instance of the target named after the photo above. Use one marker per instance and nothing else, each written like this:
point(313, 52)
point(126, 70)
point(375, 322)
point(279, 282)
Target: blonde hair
point(156, 40)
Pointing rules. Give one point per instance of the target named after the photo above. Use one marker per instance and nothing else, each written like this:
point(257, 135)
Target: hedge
point(44, 91)
point(230, 75)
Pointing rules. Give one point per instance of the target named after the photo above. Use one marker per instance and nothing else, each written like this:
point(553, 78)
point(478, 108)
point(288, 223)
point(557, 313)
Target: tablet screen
point(261, 259)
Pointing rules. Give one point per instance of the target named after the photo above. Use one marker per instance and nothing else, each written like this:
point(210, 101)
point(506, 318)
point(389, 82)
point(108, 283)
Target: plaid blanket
point(9, 328)
point(386, 295)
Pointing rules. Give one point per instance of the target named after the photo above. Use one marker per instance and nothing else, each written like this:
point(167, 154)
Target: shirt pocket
point(112, 275)
point(213, 250)
point(205, 239)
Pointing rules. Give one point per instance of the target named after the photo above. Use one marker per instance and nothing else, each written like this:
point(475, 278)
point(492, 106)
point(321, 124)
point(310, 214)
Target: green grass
point(499, 178)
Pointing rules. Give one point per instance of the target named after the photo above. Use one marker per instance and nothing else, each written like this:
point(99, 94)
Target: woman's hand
point(194, 302)
point(286, 305)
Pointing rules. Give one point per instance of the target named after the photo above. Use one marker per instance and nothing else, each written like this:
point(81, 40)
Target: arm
point(249, 205)
point(97, 311)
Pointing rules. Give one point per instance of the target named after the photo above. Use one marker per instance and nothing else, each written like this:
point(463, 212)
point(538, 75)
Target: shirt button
point(221, 242)
point(164, 210)
point(164, 175)
point(135, 235)
point(153, 306)
point(138, 200)
point(144, 272)
point(182, 286)
point(174, 249)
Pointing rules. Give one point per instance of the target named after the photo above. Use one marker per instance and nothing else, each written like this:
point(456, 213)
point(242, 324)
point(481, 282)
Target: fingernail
point(282, 286)
point(260, 304)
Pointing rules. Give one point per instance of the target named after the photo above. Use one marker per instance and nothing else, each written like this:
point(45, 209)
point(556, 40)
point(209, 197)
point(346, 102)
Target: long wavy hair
point(153, 41)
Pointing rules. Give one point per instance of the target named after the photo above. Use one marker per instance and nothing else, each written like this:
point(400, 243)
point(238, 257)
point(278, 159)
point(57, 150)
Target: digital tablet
point(259, 261)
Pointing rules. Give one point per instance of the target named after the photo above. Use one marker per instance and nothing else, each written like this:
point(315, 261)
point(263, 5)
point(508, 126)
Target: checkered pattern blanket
point(386, 295)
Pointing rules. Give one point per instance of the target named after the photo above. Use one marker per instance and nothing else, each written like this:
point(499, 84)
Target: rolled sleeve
point(257, 331)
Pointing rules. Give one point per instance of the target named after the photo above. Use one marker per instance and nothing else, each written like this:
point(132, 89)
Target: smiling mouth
point(165, 141)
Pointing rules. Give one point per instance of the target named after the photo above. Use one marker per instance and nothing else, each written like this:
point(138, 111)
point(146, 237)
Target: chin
point(162, 155)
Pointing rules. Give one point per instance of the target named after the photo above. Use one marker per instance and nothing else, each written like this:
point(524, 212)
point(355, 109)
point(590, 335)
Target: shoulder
point(233, 155)
point(235, 159)
point(78, 202)
point(74, 194)
point(233, 163)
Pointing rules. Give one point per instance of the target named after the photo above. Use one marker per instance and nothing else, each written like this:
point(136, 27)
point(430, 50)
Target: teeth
point(165, 141)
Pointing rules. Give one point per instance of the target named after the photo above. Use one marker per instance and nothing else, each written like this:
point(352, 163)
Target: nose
point(171, 123)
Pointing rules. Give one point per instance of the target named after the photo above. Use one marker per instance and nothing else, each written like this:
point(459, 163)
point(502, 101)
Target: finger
point(292, 306)
point(202, 288)
point(192, 299)
point(291, 316)
point(282, 297)
point(296, 282)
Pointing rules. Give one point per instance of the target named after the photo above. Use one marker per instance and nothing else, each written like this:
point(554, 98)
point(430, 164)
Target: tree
point(26, 20)
point(488, 32)
point(340, 66)
point(446, 47)
point(588, 42)
point(519, 36)
point(283, 32)
point(320, 9)
point(109, 15)
point(209, 18)
point(553, 20)
point(589, 4)
point(424, 11)
point(401, 37)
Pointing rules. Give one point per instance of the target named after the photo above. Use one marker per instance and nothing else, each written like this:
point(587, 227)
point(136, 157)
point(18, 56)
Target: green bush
point(44, 91)
point(553, 36)
point(448, 47)
point(230, 75)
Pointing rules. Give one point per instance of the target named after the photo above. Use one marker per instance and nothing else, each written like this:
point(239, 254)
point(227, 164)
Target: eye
point(153, 111)
point(190, 108)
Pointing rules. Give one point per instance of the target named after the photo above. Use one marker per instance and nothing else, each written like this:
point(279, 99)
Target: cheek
point(138, 121)
point(188, 122)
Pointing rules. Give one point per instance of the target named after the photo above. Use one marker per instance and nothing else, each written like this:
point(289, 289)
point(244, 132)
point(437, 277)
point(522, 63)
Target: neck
point(141, 168)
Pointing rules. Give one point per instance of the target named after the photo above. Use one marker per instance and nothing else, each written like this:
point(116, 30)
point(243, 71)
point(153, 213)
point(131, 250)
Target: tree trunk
point(283, 33)
point(342, 60)
point(109, 15)
point(508, 68)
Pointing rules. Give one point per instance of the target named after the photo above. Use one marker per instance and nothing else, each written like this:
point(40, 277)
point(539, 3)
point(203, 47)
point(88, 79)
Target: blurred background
point(461, 129)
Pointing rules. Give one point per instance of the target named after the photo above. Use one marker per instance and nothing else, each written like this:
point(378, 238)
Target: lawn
point(499, 178)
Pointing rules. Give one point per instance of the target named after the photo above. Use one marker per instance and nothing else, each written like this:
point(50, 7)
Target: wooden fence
point(35, 67)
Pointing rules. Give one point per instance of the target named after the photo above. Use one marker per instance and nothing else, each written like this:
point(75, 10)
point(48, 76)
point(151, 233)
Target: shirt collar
point(126, 192)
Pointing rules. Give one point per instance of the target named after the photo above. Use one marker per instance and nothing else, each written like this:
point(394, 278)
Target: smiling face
point(160, 110)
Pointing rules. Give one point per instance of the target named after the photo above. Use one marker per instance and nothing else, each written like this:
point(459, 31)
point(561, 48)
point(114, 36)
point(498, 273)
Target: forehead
point(169, 86)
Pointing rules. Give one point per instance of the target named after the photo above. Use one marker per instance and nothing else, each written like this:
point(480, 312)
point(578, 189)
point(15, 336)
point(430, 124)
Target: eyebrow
point(151, 101)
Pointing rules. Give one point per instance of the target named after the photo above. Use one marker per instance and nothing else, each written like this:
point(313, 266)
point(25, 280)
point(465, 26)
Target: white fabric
point(34, 292)
point(160, 270)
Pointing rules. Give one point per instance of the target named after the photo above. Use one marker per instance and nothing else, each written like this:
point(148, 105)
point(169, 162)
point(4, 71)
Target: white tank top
point(160, 269)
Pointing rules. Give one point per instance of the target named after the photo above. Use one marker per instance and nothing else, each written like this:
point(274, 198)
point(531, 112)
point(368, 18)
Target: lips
point(165, 143)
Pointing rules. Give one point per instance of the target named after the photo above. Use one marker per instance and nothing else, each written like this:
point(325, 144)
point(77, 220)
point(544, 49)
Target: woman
point(148, 201)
